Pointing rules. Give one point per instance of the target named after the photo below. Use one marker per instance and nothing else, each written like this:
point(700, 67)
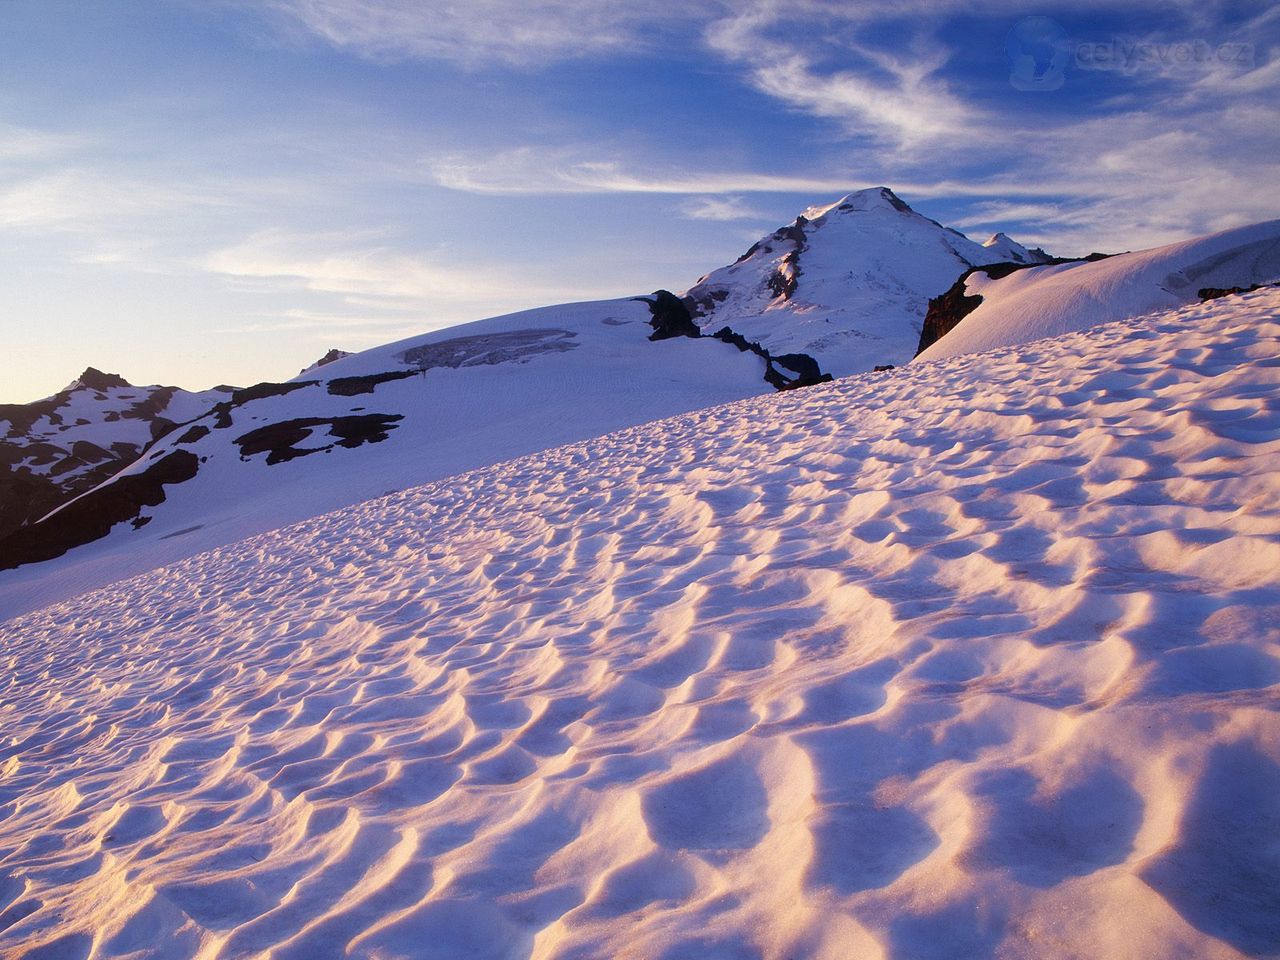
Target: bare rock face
point(92, 516)
point(95, 379)
point(672, 316)
point(1216, 293)
point(284, 441)
point(948, 309)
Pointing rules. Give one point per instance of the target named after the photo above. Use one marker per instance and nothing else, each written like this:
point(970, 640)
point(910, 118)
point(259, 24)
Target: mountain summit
point(95, 379)
point(847, 283)
point(1012, 251)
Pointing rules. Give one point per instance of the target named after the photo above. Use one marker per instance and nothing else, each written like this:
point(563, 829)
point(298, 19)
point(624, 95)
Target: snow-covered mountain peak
point(861, 201)
point(847, 283)
point(57, 448)
point(1010, 250)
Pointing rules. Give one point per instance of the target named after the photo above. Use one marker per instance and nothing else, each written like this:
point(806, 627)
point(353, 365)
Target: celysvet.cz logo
point(1129, 55)
point(1041, 53)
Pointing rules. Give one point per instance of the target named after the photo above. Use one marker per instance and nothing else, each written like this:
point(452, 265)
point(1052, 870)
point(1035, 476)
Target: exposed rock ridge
point(672, 317)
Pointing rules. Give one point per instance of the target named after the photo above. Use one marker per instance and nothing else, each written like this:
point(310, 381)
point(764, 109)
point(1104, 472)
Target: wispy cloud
point(25, 143)
point(77, 199)
point(376, 278)
point(481, 32)
point(569, 170)
point(721, 209)
point(897, 98)
point(534, 171)
point(351, 328)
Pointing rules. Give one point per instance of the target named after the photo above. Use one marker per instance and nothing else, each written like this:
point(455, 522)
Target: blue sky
point(204, 191)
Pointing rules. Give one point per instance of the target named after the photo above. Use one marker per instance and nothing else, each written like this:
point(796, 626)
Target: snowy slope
point(53, 449)
point(366, 424)
point(847, 284)
point(863, 269)
point(1050, 300)
point(974, 659)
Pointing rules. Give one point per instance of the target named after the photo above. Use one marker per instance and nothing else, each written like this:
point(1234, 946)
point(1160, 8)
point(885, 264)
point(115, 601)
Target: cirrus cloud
point(481, 32)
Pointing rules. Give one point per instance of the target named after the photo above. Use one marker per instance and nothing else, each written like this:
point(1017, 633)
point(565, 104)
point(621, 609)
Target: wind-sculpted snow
point(976, 659)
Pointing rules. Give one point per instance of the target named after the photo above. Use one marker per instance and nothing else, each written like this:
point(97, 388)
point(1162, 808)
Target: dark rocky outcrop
point(332, 356)
point(354, 386)
point(221, 412)
point(670, 317)
point(782, 282)
point(1217, 293)
point(700, 302)
point(279, 441)
point(95, 379)
point(261, 391)
point(805, 368)
point(24, 499)
point(92, 516)
point(40, 470)
point(21, 417)
point(895, 201)
point(947, 310)
point(192, 434)
point(87, 452)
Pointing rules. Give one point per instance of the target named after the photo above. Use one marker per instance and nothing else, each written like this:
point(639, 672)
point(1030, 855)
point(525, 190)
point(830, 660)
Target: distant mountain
point(1002, 306)
point(387, 418)
point(54, 449)
point(1010, 250)
point(847, 284)
point(843, 288)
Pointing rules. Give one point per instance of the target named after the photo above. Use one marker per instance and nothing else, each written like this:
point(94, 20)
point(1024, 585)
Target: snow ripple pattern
point(974, 659)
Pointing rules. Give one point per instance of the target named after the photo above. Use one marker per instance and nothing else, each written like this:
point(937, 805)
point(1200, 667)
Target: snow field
point(972, 659)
